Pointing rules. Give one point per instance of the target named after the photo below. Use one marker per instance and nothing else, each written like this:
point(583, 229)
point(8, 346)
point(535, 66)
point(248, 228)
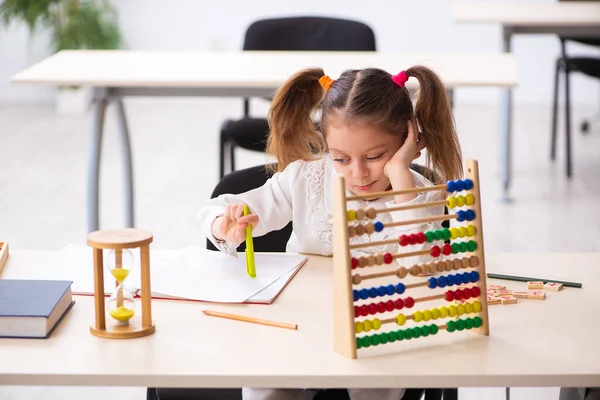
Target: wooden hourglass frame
point(118, 240)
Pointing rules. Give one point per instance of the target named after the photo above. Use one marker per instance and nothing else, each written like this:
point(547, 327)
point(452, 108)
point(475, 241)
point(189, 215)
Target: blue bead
point(468, 184)
point(466, 277)
point(373, 292)
point(458, 279)
point(461, 215)
point(470, 215)
point(459, 185)
point(378, 226)
point(442, 281)
point(356, 295)
point(451, 187)
point(400, 288)
point(382, 290)
point(474, 276)
point(390, 290)
point(364, 294)
point(432, 283)
point(450, 280)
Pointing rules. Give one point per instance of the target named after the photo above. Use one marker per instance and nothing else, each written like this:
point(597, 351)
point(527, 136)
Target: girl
point(369, 133)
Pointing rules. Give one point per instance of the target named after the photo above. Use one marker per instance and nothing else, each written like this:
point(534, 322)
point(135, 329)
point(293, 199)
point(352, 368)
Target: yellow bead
point(360, 327)
point(470, 199)
point(460, 201)
point(400, 319)
point(436, 313)
point(461, 309)
point(476, 306)
point(376, 323)
point(471, 230)
point(462, 231)
point(451, 202)
point(427, 315)
point(368, 325)
point(452, 311)
point(443, 312)
point(469, 308)
point(418, 316)
point(351, 215)
point(453, 233)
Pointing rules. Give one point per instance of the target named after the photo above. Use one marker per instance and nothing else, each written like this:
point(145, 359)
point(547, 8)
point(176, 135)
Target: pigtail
point(435, 120)
point(293, 135)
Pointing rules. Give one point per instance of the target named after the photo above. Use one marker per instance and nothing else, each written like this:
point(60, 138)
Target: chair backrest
point(308, 33)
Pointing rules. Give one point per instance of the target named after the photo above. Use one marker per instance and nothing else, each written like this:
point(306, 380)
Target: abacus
point(455, 275)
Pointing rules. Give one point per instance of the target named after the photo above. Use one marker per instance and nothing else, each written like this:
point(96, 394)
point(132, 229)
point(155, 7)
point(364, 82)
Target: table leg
point(507, 394)
point(99, 102)
point(506, 124)
point(128, 167)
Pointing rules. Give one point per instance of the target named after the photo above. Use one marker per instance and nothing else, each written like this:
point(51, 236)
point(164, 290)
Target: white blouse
point(303, 194)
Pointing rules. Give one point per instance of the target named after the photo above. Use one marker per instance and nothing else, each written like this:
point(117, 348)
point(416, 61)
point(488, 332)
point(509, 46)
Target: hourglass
point(111, 249)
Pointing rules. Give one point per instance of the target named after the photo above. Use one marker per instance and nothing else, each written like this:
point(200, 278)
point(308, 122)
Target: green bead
point(425, 331)
point(460, 325)
point(358, 343)
point(416, 332)
point(472, 245)
point(433, 329)
point(451, 326)
point(384, 337)
point(477, 322)
point(438, 234)
point(400, 335)
point(429, 236)
point(455, 248)
point(469, 323)
point(408, 334)
point(463, 247)
point(366, 341)
point(375, 340)
point(392, 336)
point(446, 233)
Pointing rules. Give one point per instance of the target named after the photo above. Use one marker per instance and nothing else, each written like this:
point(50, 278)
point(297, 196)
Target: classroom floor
point(175, 142)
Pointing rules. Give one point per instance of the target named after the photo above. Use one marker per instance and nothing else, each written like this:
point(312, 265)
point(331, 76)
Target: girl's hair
point(363, 96)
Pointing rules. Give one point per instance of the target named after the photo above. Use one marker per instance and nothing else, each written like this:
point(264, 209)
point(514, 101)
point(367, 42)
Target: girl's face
point(359, 153)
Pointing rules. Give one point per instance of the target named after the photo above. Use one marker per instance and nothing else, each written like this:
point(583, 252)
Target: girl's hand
point(410, 150)
point(231, 227)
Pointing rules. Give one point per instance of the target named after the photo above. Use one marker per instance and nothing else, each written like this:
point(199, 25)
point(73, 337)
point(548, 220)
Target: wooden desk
point(574, 19)
point(533, 343)
point(114, 74)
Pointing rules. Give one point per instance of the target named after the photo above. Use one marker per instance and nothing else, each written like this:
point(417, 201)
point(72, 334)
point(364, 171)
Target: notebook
point(190, 273)
point(32, 308)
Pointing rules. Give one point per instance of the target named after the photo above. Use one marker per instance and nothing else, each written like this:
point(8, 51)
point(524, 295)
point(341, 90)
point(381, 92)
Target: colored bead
point(453, 233)
point(400, 319)
point(451, 326)
point(368, 325)
point(458, 279)
point(383, 337)
point(364, 294)
point(471, 230)
point(448, 266)
point(433, 329)
point(438, 235)
point(390, 289)
point(418, 316)
point(359, 342)
point(392, 336)
point(473, 261)
point(378, 226)
point(468, 184)
point(408, 334)
point(362, 262)
point(451, 187)
point(450, 279)
point(476, 306)
point(455, 248)
point(443, 312)
point(475, 291)
point(470, 215)
point(432, 268)
point(359, 326)
point(451, 202)
point(469, 323)
point(435, 251)
point(466, 277)
point(400, 334)
point(356, 279)
point(367, 341)
point(351, 215)
point(471, 245)
point(459, 185)
point(351, 231)
point(412, 239)
point(458, 294)
point(416, 332)
point(403, 240)
point(464, 262)
point(381, 307)
point(429, 236)
point(415, 270)
point(376, 340)
point(452, 311)
point(387, 258)
point(474, 276)
point(435, 313)
point(446, 234)
point(400, 288)
point(399, 303)
point(360, 230)
point(462, 231)
point(379, 259)
point(372, 308)
point(369, 229)
point(371, 260)
point(449, 295)
point(373, 292)
point(409, 302)
point(460, 325)
point(425, 331)
point(447, 249)
point(433, 282)
point(456, 264)
point(401, 272)
point(468, 308)
point(466, 293)
point(364, 310)
point(371, 213)
point(477, 322)
point(376, 323)
point(381, 291)
point(421, 238)
point(463, 247)
point(354, 263)
point(427, 315)
point(442, 281)
point(439, 266)
point(389, 305)
point(360, 214)
point(461, 215)
point(470, 199)
point(460, 309)
point(460, 201)
point(356, 295)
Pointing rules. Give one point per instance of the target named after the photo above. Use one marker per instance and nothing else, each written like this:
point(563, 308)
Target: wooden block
point(3, 254)
point(537, 295)
point(553, 286)
point(496, 287)
point(521, 295)
point(493, 300)
point(535, 285)
point(510, 299)
point(504, 292)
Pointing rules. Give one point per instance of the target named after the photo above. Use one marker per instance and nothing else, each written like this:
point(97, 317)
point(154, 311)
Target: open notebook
point(190, 273)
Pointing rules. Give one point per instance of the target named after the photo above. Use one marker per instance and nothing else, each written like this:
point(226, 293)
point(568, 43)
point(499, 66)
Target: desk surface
point(154, 69)
point(529, 14)
point(533, 343)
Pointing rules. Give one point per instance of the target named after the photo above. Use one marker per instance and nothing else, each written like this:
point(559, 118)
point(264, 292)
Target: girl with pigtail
point(370, 133)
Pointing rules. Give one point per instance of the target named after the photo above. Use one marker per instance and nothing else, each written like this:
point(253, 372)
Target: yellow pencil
point(250, 267)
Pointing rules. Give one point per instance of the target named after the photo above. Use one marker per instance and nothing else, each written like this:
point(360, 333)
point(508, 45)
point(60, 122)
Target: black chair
point(287, 34)
point(566, 64)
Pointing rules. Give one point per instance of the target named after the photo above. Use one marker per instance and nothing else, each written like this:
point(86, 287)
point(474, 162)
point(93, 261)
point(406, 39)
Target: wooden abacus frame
point(345, 337)
point(119, 239)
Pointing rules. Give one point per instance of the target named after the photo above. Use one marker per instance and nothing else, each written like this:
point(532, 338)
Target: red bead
point(458, 294)
point(356, 311)
point(421, 237)
point(381, 307)
point(449, 295)
point(409, 302)
point(435, 251)
point(389, 305)
point(399, 304)
point(412, 238)
point(364, 310)
point(475, 292)
point(372, 308)
point(447, 249)
point(354, 263)
point(387, 258)
point(466, 293)
point(403, 240)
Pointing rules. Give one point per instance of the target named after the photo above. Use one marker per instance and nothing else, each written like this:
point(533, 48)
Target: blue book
point(32, 308)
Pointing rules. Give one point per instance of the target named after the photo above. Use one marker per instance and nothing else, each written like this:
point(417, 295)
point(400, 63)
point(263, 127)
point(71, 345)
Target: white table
point(115, 74)
point(573, 18)
point(532, 343)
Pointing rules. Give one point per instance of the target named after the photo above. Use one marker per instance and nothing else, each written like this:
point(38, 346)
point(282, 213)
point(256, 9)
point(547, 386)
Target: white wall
point(401, 25)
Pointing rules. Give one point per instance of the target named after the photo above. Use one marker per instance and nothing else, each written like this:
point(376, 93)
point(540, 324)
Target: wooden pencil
point(250, 319)
point(529, 279)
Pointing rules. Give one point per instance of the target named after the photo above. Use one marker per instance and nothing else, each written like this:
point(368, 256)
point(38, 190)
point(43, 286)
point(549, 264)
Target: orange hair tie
point(326, 82)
